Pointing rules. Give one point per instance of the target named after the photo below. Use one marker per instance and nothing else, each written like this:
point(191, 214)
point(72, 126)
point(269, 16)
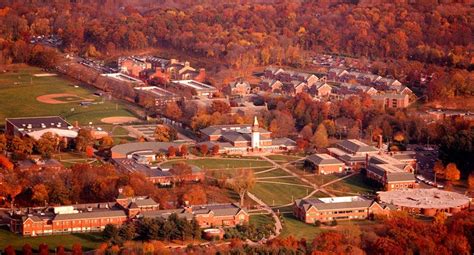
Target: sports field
point(19, 92)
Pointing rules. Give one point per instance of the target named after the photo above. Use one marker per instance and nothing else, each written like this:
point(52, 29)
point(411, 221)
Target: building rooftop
point(356, 146)
point(334, 203)
point(423, 198)
point(156, 147)
point(39, 123)
point(157, 91)
point(194, 84)
point(324, 159)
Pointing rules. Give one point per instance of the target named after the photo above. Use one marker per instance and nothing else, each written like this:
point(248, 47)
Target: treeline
point(256, 33)
point(399, 234)
point(89, 183)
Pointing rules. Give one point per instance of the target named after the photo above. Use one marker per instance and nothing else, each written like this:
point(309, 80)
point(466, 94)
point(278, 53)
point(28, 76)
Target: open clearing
point(88, 241)
point(20, 89)
point(62, 98)
point(118, 119)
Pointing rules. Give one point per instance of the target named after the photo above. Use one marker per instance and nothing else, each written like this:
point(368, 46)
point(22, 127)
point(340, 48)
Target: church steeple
point(255, 124)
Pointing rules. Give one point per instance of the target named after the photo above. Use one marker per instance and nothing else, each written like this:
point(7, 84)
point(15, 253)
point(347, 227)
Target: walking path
point(278, 225)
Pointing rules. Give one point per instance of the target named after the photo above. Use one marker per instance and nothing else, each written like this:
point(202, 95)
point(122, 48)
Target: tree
point(60, 250)
point(215, 149)
point(43, 249)
point(27, 250)
point(320, 137)
point(127, 231)
point(165, 133)
point(6, 163)
point(22, 146)
point(76, 249)
point(106, 143)
point(180, 171)
point(89, 151)
point(470, 181)
point(110, 232)
point(307, 132)
point(452, 172)
point(203, 149)
point(9, 250)
point(3, 143)
point(173, 111)
point(183, 150)
point(84, 139)
point(171, 151)
point(47, 144)
point(243, 181)
point(195, 195)
point(439, 170)
point(40, 193)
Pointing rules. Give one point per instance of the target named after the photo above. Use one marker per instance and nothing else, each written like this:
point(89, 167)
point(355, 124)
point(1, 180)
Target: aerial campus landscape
point(236, 127)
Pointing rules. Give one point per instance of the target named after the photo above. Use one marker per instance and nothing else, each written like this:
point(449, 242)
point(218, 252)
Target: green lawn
point(354, 184)
point(319, 194)
point(231, 172)
point(278, 194)
point(283, 158)
point(322, 179)
point(88, 241)
point(298, 229)
point(215, 163)
point(292, 180)
point(261, 219)
point(272, 173)
point(19, 90)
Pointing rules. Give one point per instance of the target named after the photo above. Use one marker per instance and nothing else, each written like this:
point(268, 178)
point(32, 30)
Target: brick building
point(353, 153)
point(244, 138)
point(391, 100)
point(325, 164)
point(94, 217)
point(337, 208)
point(391, 173)
point(210, 215)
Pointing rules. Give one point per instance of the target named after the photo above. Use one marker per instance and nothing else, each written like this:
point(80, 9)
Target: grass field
point(88, 241)
point(298, 229)
point(353, 184)
point(261, 220)
point(19, 90)
point(272, 173)
point(278, 194)
point(283, 158)
point(212, 163)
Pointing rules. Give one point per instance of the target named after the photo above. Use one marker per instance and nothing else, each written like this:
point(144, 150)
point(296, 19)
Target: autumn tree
point(27, 249)
point(215, 149)
point(3, 143)
point(242, 182)
point(106, 143)
point(320, 137)
point(452, 173)
point(203, 149)
point(183, 150)
point(40, 194)
point(47, 144)
point(173, 111)
point(171, 151)
point(6, 163)
point(194, 195)
point(439, 170)
point(180, 171)
point(165, 133)
point(84, 139)
point(22, 146)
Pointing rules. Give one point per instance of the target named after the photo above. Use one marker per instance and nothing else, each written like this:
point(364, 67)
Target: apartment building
point(391, 173)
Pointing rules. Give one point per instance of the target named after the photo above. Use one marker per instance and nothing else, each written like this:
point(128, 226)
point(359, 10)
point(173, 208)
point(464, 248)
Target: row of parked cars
point(421, 178)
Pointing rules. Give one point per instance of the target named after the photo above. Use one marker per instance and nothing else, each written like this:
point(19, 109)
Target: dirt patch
point(44, 74)
point(118, 120)
point(63, 98)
